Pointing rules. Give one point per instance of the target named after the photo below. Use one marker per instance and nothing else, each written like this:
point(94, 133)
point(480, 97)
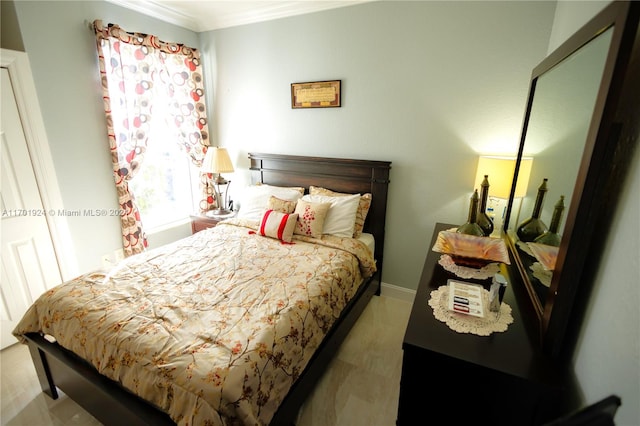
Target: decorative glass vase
point(551, 237)
point(483, 218)
point(533, 227)
point(472, 227)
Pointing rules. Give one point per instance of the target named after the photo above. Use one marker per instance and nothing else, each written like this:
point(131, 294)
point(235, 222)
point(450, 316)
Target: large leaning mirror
point(573, 135)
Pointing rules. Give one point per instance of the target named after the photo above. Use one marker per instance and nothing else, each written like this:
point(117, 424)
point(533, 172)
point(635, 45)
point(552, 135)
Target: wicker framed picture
point(317, 94)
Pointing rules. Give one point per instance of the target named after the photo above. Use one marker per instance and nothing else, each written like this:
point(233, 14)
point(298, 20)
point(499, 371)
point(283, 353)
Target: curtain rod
point(89, 24)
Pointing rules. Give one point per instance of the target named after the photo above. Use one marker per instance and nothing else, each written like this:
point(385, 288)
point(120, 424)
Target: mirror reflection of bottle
point(533, 227)
point(483, 219)
point(471, 227)
point(551, 237)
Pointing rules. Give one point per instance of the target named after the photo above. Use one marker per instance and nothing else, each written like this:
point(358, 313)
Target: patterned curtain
point(143, 78)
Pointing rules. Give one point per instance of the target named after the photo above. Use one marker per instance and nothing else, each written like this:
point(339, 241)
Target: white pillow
point(255, 199)
point(341, 217)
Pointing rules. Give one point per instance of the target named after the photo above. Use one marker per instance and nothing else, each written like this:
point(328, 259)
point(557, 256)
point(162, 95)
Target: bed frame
point(58, 368)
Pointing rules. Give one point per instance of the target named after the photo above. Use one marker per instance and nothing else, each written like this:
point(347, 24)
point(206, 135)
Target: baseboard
point(396, 292)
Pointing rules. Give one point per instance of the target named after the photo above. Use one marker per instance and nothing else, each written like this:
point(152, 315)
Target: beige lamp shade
point(500, 171)
point(216, 160)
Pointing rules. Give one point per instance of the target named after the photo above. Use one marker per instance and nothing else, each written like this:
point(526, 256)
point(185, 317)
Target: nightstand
point(200, 222)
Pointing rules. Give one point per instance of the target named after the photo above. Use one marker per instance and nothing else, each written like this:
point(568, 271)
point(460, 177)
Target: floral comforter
point(213, 329)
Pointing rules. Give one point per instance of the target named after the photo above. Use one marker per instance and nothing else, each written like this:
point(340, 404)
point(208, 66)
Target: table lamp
point(217, 161)
point(500, 172)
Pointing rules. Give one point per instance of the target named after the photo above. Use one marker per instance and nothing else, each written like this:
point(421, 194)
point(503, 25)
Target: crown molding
point(157, 10)
point(202, 16)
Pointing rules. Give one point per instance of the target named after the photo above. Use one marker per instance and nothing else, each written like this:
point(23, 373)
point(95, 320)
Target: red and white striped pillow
point(278, 225)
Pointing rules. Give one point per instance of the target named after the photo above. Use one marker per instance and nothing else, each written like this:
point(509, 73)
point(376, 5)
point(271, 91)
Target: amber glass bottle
point(483, 218)
point(551, 237)
point(533, 227)
point(472, 227)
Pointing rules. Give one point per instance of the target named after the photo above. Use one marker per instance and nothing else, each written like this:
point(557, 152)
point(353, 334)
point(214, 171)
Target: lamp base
point(220, 213)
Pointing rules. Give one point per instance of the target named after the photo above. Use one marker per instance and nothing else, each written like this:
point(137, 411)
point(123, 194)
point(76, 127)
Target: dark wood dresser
point(501, 379)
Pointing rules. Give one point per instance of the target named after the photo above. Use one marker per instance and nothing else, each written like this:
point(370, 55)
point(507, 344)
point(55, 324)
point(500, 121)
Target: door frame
point(19, 68)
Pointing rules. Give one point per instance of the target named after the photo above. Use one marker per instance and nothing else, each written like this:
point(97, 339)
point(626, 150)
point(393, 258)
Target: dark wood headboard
point(336, 174)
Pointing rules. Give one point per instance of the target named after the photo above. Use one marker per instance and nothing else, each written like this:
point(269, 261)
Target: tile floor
point(360, 387)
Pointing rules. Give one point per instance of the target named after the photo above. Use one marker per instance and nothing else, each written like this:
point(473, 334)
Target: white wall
point(426, 85)
point(607, 357)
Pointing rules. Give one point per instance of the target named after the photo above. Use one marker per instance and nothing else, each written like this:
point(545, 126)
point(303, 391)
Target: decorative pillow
point(341, 217)
point(280, 205)
point(363, 207)
point(311, 217)
point(300, 189)
point(255, 199)
point(278, 225)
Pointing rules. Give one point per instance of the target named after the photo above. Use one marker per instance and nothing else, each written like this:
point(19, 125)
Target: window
point(166, 185)
point(153, 95)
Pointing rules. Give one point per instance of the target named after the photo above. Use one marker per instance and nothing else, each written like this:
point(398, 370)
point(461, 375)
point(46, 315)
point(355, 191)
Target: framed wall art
point(317, 94)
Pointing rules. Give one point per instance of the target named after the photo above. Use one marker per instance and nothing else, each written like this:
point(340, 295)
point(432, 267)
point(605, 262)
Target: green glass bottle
point(551, 237)
point(533, 227)
point(483, 218)
point(472, 227)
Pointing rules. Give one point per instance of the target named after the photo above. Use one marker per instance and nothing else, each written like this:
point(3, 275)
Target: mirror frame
point(611, 140)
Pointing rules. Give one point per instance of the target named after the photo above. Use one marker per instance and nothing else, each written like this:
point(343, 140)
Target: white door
point(29, 264)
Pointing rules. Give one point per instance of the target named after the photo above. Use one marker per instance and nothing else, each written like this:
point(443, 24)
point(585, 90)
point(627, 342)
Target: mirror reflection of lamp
point(500, 175)
point(217, 161)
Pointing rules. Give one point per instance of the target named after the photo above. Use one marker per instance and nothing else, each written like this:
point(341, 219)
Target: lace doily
point(525, 248)
point(465, 272)
point(543, 275)
point(461, 323)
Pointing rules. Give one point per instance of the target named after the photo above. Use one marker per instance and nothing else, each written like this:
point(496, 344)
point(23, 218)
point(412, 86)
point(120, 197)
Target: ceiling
point(206, 15)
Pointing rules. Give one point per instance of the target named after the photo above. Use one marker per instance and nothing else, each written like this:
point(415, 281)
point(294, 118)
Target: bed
point(275, 373)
